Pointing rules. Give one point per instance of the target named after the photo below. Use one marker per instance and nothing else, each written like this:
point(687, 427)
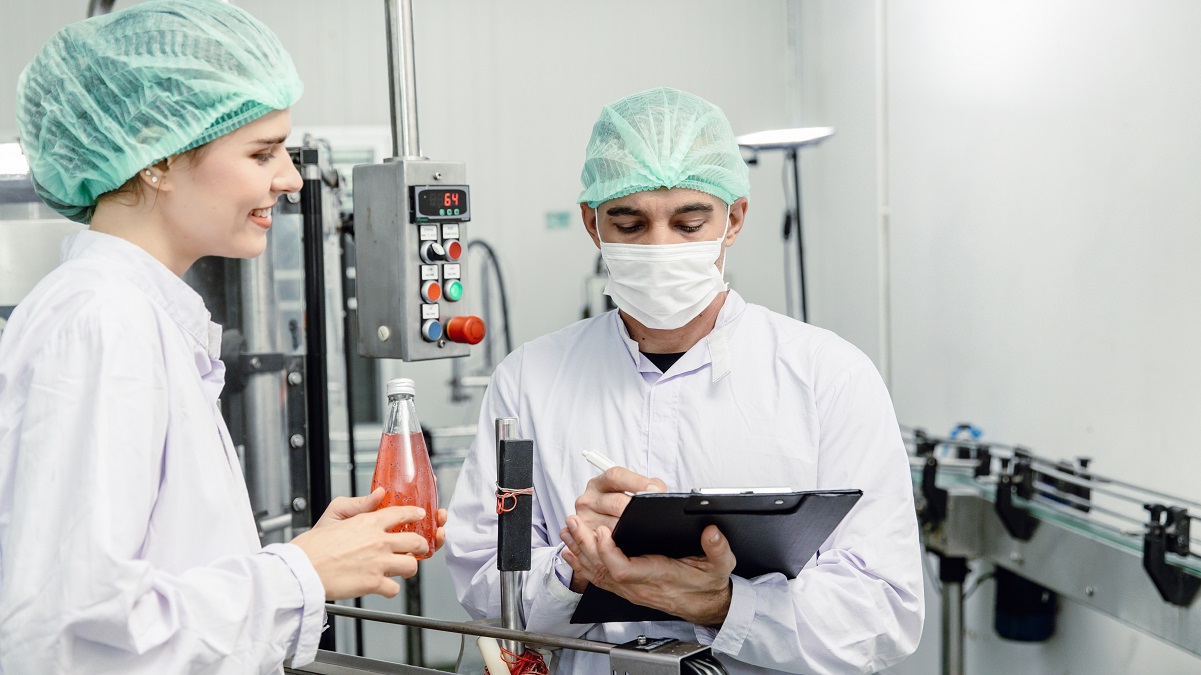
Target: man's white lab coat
point(763, 400)
point(127, 543)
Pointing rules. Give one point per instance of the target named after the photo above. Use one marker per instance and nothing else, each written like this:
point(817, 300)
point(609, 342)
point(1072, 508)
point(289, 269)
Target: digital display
point(441, 203)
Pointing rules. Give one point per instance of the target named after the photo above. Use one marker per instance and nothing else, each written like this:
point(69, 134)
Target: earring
point(154, 179)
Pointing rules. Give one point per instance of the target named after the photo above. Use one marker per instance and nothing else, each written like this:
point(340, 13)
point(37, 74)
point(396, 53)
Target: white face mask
point(664, 286)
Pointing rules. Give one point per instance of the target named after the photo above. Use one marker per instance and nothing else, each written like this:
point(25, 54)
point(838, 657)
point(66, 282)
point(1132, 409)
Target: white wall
point(1041, 165)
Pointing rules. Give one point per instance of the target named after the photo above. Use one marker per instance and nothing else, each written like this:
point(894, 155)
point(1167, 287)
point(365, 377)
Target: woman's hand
point(353, 552)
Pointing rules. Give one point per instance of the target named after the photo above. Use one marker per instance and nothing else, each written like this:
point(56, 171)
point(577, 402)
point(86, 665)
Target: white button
point(428, 233)
point(432, 252)
point(451, 271)
point(429, 272)
point(429, 311)
point(450, 231)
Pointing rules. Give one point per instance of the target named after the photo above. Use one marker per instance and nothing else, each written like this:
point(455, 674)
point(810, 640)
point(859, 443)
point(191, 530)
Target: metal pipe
point(98, 7)
point(266, 429)
point(952, 628)
point(316, 366)
point(794, 154)
point(402, 78)
point(481, 630)
point(510, 581)
point(269, 525)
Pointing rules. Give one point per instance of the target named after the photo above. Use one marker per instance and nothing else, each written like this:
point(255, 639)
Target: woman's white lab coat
point(127, 543)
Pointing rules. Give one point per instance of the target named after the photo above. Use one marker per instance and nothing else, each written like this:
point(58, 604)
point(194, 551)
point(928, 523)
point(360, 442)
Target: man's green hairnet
point(662, 138)
point(109, 96)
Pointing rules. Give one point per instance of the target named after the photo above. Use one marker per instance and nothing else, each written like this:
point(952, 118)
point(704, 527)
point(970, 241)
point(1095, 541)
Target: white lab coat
point(127, 543)
point(763, 400)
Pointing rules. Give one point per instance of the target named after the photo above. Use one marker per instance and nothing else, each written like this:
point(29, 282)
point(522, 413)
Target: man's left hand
point(696, 589)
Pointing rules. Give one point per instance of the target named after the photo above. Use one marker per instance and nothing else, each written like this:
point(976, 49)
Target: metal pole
point(317, 374)
point(510, 582)
point(266, 432)
point(402, 78)
point(482, 630)
point(794, 154)
point(952, 628)
point(952, 572)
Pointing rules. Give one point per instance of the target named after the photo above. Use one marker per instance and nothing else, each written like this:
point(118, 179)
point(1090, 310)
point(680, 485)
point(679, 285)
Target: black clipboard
point(767, 531)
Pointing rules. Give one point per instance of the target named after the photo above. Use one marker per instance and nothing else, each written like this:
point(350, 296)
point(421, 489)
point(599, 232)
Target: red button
point(431, 291)
point(453, 250)
point(467, 329)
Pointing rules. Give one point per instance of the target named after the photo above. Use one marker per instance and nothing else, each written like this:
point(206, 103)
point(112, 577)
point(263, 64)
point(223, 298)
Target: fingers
point(342, 508)
point(717, 549)
point(612, 503)
point(609, 555)
point(388, 588)
point(402, 566)
point(621, 479)
point(441, 517)
point(397, 515)
point(408, 543)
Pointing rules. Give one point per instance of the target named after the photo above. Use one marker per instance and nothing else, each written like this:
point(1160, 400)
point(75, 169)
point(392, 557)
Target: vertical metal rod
point(952, 628)
point(266, 432)
point(402, 78)
point(510, 582)
point(317, 375)
point(348, 356)
point(794, 154)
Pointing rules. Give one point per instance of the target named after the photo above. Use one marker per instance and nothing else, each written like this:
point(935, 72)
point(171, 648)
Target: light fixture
point(790, 141)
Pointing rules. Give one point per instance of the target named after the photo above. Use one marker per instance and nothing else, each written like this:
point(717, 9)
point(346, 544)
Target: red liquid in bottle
point(404, 471)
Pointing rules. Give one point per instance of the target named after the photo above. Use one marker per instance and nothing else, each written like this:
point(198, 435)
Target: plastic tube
point(492, 658)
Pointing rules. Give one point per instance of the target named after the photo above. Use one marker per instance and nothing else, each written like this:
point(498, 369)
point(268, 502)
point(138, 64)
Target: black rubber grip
point(516, 472)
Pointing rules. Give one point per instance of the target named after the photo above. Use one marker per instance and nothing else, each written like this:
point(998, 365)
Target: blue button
point(431, 330)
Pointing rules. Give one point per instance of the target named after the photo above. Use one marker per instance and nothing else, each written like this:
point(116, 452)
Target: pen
point(598, 460)
point(601, 462)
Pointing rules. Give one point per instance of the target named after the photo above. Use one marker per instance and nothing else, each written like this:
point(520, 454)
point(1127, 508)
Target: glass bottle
point(403, 467)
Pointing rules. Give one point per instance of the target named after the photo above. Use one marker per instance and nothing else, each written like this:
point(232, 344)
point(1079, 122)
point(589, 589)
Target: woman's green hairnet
point(662, 138)
point(109, 96)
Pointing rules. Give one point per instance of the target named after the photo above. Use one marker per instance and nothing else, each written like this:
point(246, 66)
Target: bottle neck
point(402, 415)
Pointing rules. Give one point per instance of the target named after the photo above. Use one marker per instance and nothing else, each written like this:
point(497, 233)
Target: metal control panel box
point(410, 238)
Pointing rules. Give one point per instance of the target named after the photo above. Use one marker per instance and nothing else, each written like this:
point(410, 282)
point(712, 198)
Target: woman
point(127, 543)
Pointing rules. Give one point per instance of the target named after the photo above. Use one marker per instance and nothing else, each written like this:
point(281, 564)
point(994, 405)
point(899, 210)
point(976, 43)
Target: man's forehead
point(664, 200)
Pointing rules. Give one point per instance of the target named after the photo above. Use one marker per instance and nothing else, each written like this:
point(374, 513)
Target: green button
point(454, 291)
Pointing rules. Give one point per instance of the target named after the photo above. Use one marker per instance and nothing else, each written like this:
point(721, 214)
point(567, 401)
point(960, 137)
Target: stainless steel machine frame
point(644, 657)
point(1081, 555)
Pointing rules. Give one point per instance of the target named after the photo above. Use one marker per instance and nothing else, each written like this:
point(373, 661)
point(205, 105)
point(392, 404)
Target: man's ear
point(588, 215)
point(737, 219)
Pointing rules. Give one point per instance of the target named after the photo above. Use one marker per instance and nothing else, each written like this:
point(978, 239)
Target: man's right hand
point(605, 498)
point(353, 552)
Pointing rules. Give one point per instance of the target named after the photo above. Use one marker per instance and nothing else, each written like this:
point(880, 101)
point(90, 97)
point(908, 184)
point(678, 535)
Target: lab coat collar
point(713, 349)
point(183, 304)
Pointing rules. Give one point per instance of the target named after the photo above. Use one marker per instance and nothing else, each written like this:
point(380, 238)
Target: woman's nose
point(288, 180)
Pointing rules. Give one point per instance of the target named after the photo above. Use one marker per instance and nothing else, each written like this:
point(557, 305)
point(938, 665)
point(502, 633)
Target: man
point(688, 386)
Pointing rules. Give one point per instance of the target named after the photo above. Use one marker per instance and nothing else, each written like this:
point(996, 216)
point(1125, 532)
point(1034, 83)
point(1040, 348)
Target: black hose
point(500, 284)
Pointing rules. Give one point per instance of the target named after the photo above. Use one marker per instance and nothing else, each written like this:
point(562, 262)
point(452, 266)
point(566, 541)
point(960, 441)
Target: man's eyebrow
point(268, 141)
point(694, 208)
point(623, 211)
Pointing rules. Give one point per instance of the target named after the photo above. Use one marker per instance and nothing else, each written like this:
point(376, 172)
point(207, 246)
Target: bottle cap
point(401, 385)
